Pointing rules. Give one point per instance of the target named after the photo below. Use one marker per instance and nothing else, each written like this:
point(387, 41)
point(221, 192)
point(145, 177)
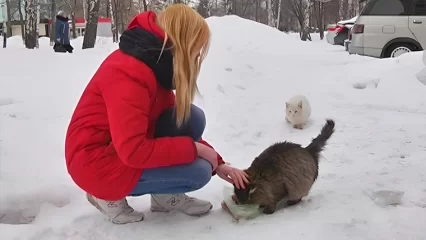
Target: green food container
point(247, 211)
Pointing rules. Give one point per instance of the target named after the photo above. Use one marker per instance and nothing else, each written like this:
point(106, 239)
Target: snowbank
point(352, 20)
point(375, 158)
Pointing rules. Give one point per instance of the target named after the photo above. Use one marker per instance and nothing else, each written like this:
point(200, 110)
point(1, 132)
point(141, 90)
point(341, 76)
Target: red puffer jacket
point(110, 137)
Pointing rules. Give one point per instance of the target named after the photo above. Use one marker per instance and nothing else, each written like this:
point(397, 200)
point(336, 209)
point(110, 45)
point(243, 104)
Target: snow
point(352, 20)
point(372, 179)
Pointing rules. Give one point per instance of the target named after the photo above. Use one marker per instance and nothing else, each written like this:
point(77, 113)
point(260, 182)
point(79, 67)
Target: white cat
point(298, 111)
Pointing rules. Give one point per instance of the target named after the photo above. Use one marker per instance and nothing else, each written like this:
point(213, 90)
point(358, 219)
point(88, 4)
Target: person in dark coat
point(62, 39)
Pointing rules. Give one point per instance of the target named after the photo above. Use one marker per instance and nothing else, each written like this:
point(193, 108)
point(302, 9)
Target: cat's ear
point(300, 104)
point(286, 104)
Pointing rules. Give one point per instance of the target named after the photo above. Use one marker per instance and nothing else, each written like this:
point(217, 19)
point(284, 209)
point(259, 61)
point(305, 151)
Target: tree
point(21, 19)
point(319, 15)
point(142, 6)
point(32, 10)
point(73, 6)
point(9, 19)
point(114, 29)
point(279, 14)
point(53, 25)
point(91, 24)
point(271, 16)
point(229, 7)
point(203, 8)
point(300, 9)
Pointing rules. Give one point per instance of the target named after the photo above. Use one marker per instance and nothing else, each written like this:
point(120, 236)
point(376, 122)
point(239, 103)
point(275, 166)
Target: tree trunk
point(31, 23)
point(345, 8)
point(208, 10)
point(121, 22)
point(9, 19)
point(92, 24)
point(53, 24)
point(37, 23)
point(108, 9)
point(257, 10)
point(22, 21)
point(113, 20)
point(321, 20)
point(319, 9)
point(229, 7)
point(73, 31)
point(85, 10)
point(145, 5)
point(4, 36)
point(279, 14)
point(270, 11)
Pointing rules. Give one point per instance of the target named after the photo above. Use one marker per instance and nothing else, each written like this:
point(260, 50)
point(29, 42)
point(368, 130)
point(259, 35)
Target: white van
point(389, 28)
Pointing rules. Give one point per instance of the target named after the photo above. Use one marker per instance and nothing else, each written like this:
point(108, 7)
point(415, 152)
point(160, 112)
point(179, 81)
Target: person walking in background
point(62, 36)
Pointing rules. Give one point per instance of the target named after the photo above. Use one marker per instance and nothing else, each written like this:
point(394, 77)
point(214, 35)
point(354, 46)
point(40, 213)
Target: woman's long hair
point(189, 36)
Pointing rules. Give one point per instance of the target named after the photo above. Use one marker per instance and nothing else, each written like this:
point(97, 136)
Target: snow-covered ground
point(380, 142)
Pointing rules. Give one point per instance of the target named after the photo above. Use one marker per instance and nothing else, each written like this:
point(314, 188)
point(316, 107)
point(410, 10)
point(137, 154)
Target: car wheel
point(397, 49)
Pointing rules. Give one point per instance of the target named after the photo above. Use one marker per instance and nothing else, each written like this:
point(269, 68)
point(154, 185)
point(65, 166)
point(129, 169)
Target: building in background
point(16, 21)
point(3, 13)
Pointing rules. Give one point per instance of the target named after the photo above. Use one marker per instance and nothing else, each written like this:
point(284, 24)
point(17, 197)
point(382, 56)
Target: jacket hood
point(144, 40)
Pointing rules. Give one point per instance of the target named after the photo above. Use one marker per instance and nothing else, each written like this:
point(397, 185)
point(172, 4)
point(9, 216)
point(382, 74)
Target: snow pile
point(371, 183)
point(421, 76)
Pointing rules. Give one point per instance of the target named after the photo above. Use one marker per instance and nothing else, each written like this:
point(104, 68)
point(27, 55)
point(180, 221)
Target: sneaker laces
point(187, 198)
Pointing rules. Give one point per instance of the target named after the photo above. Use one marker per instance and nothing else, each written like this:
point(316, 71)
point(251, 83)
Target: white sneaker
point(181, 202)
point(118, 212)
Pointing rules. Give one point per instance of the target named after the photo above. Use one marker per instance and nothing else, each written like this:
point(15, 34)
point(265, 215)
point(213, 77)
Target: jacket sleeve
point(219, 158)
point(128, 105)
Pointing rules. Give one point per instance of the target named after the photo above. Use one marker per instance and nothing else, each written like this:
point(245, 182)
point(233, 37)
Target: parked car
point(389, 28)
point(338, 33)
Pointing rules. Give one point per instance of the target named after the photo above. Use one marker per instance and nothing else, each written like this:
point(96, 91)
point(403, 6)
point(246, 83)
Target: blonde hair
point(189, 37)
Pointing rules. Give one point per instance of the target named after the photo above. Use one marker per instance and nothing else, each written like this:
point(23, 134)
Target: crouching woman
point(130, 135)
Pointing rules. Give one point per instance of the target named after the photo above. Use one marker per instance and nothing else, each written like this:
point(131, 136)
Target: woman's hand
point(208, 154)
point(232, 175)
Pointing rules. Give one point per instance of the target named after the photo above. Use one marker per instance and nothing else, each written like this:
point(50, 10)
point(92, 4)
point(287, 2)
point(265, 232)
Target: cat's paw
point(269, 210)
point(298, 126)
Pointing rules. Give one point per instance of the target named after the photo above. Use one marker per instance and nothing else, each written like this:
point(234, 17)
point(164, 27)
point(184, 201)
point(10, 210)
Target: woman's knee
point(194, 127)
point(197, 121)
point(202, 173)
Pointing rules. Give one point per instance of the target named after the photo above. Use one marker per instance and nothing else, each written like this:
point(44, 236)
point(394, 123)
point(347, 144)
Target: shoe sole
point(199, 214)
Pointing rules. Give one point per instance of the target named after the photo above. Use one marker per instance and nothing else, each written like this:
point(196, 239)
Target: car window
point(420, 8)
point(387, 8)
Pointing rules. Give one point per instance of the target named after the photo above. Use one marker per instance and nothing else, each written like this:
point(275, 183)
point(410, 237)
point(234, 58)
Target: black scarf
point(146, 47)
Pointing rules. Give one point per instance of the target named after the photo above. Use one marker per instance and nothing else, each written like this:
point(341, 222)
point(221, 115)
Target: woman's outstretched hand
point(232, 175)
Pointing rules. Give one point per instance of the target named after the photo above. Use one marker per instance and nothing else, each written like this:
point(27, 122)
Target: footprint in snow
point(6, 101)
point(329, 176)
point(384, 198)
point(220, 89)
point(240, 87)
point(23, 209)
point(373, 83)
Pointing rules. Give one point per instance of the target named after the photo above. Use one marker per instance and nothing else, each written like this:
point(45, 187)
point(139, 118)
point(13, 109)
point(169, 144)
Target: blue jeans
point(181, 178)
